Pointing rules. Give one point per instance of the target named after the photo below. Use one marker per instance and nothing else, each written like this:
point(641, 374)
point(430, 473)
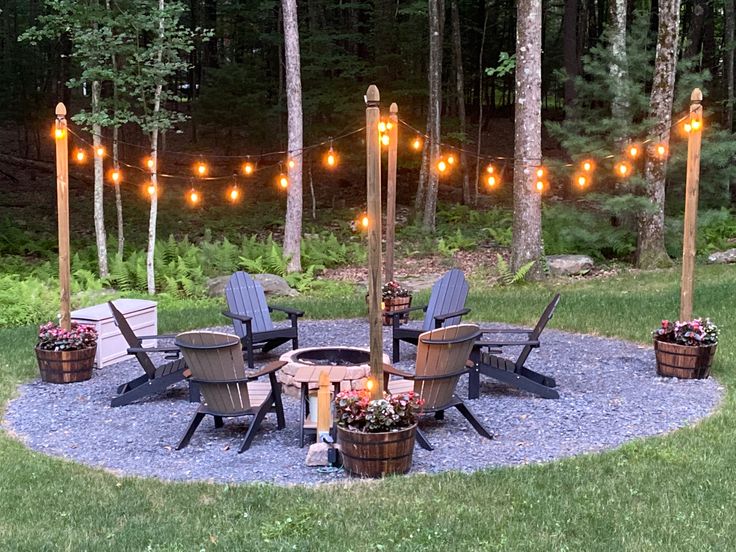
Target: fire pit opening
point(333, 356)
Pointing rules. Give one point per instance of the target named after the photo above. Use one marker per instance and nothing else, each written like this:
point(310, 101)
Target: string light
point(588, 165)
point(661, 150)
point(283, 181)
point(696, 124)
point(148, 161)
point(490, 169)
point(381, 127)
point(58, 133)
point(100, 151)
point(331, 158)
point(622, 169)
point(80, 156)
point(450, 159)
point(200, 168)
point(687, 127)
point(115, 176)
point(417, 144)
point(247, 168)
point(441, 166)
point(151, 189)
point(365, 222)
point(370, 383)
point(193, 196)
point(234, 193)
point(491, 181)
point(540, 185)
point(385, 139)
point(581, 180)
point(389, 125)
point(633, 151)
point(291, 163)
point(540, 174)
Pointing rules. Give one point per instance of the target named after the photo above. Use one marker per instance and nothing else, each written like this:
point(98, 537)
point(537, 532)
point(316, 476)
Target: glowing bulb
point(115, 175)
point(364, 221)
point(442, 166)
point(540, 185)
point(149, 163)
point(540, 172)
point(80, 156)
point(490, 169)
point(491, 181)
point(687, 127)
point(248, 169)
point(99, 151)
point(331, 159)
point(416, 144)
point(385, 139)
point(582, 181)
point(389, 125)
point(660, 150)
point(381, 127)
point(370, 384)
point(234, 194)
point(58, 133)
point(588, 166)
point(291, 163)
point(283, 181)
point(450, 159)
point(622, 169)
point(151, 189)
point(633, 152)
point(696, 124)
point(194, 197)
point(201, 168)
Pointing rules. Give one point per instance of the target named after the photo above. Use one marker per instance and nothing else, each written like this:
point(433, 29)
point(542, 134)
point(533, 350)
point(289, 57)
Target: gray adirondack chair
point(512, 372)
point(251, 316)
point(155, 379)
point(442, 357)
point(217, 365)
point(446, 307)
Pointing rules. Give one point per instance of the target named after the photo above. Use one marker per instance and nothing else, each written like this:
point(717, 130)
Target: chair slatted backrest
point(133, 342)
point(216, 359)
point(448, 295)
point(436, 359)
point(537, 331)
point(245, 296)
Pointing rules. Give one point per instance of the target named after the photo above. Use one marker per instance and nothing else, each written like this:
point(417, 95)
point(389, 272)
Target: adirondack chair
point(156, 379)
point(217, 366)
point(251, 317)
point(446, 307)
point(487, 361)
point(442, 357)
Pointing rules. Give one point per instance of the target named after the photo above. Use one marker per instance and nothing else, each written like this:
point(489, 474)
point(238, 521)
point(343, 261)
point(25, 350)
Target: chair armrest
point(241, 317)
point(473, 336)
point(443, 317)
point(388, 369)
point(505, 331)
point(286, 310)
point(162, 336)
point(462, 371)
point(394, 314)
point(269, 368)
point(485, 343)
point(134, 350)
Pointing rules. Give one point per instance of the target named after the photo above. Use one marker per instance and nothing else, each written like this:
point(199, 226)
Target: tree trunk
point(150, 269)
point(457, 50)
point(293, 223)
point(118, 197)
point(527, 227)
point(730, 23)
point(570, 48)
point(650, 251)
point(423, 176)
point(436, 16)
point(481, 71)
point(619, 70)
point(695, 32)
point(99, 209)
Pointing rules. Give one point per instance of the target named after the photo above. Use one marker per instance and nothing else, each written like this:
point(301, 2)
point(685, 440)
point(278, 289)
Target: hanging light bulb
point(100, 151)
point(490, 169)
point(633, 151)
point(539, 185)
point(660, 150)
point(491, 181)
point(696, 124)
point(331, 158)
point(588, 165)
point(385, 139)
point(151, 189)
point(291, 163)
point(441, 166)
point(193, 196)
point(115, 176)
point(389, 125)
point(283, 181)
point(365, 222)
point(541, 172)
point(148, 161)
point(200, 168)
point(381, 126)
point(622, 169)
point(234, 193)
point(80, 156)
point(581, 180)
point(59, 133)
point(247, 168)
point(687, 127)
point(450, 159)
point(416, 144)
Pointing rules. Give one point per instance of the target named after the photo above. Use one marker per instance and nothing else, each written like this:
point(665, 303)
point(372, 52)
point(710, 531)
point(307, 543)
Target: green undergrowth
point(668, 493)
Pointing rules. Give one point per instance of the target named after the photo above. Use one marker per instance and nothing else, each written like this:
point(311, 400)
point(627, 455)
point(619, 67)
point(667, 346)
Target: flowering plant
point(52, 337)
point(355, 410)
point(691, 332)
point(394, 289)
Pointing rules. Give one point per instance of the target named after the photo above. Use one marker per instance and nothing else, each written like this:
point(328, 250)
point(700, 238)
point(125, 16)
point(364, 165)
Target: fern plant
point(508, 277)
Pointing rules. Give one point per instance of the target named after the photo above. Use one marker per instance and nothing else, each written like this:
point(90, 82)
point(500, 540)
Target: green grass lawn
point(670, 493)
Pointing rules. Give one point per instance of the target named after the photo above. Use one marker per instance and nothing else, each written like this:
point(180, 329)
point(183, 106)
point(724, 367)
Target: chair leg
point(295, 343)
point(254, 425)
point(474, 382)
point(397, 348)
point(134, 394)
point(194, 394)
point(439, 415)
point(547, 381)
point(422, 441)
point(465, 411)
point(132, 384)
point(279, 407)
point(218, 421)
point(196, 420)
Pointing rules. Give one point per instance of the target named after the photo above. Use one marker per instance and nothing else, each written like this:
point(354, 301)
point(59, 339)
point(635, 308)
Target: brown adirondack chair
point(156, 379)
point(251, 316)
point(486, 359)
point(442, 357)
point(217, 365)
point(446, 307)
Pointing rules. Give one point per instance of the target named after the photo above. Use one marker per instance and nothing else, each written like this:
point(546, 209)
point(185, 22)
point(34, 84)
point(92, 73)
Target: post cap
point(372, 97)
point(60, 109)
point(394, 108)
point(696, 96)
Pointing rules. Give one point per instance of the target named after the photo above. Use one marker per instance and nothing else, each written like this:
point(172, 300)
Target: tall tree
point(293, 223)
point(457, 52)
point(570, 48)
point(651, 252)
point(527, 227)
point(619, 65)
point(728, 39)
point(436, 25)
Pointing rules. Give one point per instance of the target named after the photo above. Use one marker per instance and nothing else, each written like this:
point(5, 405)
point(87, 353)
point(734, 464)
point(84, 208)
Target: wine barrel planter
point(66, 366)
point(683, 361)
point(377, 454)
point(392, 304)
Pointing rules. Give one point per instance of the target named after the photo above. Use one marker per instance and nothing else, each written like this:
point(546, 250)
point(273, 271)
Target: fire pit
point(354, 359)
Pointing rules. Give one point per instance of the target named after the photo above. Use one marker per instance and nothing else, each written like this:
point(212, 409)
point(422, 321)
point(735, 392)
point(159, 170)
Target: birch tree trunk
point(457, 50)
point(99, 209)
point(436, 11)
point(423, 176)
point(650, 248)
point(150, 269)
point(481, 71)
point(618, 69)
point(293, 222)
point(118, 197)
point(527, 227)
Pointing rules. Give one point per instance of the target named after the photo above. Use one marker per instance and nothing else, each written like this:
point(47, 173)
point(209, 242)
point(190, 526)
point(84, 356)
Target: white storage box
point(111, 345)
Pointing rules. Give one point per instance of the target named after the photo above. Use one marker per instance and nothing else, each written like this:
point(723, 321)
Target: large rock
point(568, 265)
point(272, 285)
point(317, 454)
point(723, 257)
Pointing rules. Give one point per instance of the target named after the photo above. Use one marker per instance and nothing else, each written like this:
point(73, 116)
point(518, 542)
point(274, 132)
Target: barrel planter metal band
point(683, 361)
point(66, 366)
point(377, 454)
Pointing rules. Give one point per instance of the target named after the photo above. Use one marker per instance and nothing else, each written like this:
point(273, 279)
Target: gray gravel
point(609, 394)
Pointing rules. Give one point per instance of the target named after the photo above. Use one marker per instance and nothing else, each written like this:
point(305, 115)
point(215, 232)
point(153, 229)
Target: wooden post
point(691, 205)
point(373, 184)
point(62, 203)
point(393, 145)
point(324, 415)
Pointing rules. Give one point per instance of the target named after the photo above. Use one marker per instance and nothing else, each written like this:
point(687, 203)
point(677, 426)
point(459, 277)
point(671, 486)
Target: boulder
point(216, 286)
point(317, 454)
point(723, 257)
point(272, 285)
point(568, 265)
